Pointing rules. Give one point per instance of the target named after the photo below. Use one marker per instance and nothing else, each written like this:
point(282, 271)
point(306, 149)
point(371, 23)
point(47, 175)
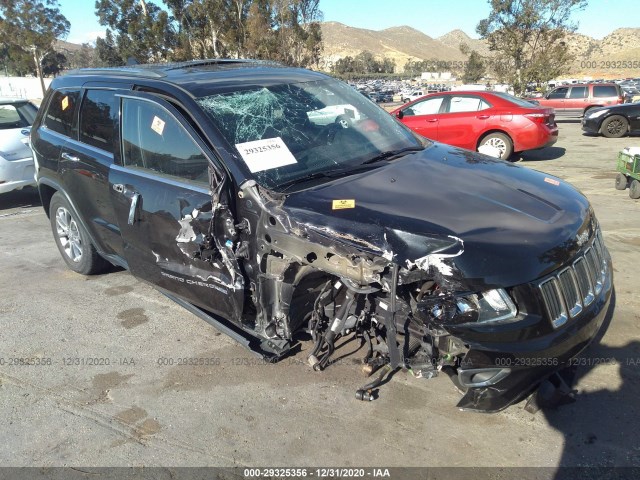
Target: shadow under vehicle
point(211, 181)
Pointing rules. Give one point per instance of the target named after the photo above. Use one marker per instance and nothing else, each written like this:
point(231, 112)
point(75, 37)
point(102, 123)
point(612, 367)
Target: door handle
point(69, 157)
point(133, 208)
point(432, 120)
point(483, 117)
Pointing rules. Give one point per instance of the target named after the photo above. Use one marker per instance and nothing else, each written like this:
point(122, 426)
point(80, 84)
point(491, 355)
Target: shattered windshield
point(285, 133)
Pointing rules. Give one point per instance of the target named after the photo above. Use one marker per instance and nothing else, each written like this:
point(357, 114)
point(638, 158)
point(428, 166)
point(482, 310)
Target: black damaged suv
point(279, 203)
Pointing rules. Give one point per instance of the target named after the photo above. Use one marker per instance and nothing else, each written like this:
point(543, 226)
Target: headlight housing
point(491, 307)
point(597, 113)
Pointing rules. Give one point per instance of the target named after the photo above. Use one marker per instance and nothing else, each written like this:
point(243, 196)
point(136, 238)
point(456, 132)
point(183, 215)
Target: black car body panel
point(437, 258)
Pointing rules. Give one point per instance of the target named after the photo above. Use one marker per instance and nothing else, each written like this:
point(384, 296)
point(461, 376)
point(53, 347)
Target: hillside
point(606, 58)
point(456, 37)
point(397, 43)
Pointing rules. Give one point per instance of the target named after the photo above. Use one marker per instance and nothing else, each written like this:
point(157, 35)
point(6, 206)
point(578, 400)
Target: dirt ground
point(109, 390)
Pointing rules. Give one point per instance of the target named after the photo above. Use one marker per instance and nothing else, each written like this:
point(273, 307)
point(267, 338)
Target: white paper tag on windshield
point(265, 154)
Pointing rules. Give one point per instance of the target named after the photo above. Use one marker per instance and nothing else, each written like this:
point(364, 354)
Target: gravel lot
point(128, 407)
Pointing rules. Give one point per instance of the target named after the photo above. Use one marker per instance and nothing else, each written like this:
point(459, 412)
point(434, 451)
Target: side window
point(578, 92)
point(155, 141)
point(59, 116)
point(601, 91)
point(465, 104)
point(426, 107)
point(98, 115)
point(558, 93)
point(9, 118)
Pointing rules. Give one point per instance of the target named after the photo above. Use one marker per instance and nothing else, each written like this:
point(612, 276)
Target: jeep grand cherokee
point(224, 185)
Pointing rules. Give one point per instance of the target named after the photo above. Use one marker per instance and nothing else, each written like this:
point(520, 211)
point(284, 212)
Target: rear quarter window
point(600, 91)
point(59, 116)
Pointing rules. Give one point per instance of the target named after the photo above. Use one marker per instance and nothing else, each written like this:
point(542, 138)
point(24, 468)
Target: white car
point(16, 161)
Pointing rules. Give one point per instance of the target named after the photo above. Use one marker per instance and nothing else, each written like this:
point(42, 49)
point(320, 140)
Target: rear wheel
point(615, 126)
point(499, 141)
point(72, 240)
point(622, 182)
point(634, 189)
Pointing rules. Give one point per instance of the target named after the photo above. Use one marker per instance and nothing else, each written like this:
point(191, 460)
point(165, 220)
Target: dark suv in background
point(576, 99)
point(280, 204)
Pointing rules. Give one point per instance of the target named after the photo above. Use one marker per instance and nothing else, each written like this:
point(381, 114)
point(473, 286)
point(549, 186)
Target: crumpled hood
point(505, 224)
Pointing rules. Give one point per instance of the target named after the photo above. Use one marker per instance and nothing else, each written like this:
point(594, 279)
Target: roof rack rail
point(207, 61)
point(158, 70)
point(134, 71)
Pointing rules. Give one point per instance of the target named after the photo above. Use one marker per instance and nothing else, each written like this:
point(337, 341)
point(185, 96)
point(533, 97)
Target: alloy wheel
point(69, 234)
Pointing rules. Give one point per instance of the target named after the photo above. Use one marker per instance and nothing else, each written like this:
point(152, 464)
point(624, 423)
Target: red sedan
point(475, 119)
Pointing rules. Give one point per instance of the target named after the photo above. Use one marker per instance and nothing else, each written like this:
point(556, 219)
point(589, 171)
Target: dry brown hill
point(610, 57)
point(457, 37)
point(397, 43)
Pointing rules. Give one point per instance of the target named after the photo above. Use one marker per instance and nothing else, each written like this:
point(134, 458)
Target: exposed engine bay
point(299, 277)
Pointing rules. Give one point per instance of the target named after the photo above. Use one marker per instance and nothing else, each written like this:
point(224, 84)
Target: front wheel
point(72, 240)
point(622, 182)
point(500, 142)
point(634, 189)
point(615, 126)
point(343, 121)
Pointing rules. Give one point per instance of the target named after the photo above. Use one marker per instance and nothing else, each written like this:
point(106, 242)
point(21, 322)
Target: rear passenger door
point(163, 189)
point(85, 161)
point(464, 119)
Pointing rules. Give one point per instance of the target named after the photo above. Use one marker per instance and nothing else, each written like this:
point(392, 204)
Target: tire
point(343, 121)
point(615, 126)
point(500, 141)
point(622, 182)
point(634, 189)
point(72, 240)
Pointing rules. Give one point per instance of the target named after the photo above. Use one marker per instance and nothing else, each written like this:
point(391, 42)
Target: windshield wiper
point(328, 174)
point(392, 154)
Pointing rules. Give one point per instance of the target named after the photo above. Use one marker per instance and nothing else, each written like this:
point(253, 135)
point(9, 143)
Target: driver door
point(422, 117)
point(166, 210)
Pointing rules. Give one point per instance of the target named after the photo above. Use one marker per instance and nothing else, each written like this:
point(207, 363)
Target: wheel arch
point(46, 192)
point(589, 107)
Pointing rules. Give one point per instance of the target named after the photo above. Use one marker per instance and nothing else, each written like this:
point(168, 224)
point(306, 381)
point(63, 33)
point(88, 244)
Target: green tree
point(260, 37)
point(296, 27)
point(107, 52)
point(54, 63)
point(474, 69)
point(84, 57)
point(28, 29)
point(527, 37)
point(141, 30)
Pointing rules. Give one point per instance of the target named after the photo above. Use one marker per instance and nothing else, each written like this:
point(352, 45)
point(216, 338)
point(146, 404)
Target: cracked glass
point(325, 125)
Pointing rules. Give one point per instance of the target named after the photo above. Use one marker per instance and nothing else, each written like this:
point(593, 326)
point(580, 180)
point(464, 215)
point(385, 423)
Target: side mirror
point(400, 114)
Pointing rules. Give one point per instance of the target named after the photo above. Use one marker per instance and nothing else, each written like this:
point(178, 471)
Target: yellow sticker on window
point(342, 204)
point(157, 125)
point(65, 103)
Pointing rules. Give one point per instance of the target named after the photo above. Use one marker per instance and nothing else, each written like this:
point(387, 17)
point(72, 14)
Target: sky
point(433, 17)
